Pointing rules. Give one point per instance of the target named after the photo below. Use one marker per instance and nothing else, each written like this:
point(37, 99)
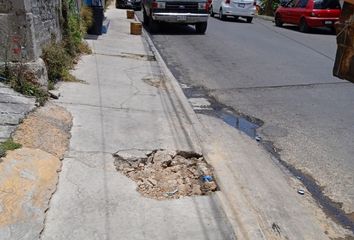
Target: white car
point(235, 8)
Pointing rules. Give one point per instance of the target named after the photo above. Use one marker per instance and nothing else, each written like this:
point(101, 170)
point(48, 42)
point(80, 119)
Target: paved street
point(282, 77)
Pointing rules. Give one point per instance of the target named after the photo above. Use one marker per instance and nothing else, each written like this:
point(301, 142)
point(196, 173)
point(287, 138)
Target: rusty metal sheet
point(344, 63)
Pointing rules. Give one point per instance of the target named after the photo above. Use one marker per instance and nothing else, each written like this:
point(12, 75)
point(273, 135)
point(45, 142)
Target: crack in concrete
point(112, 108)
point(281, 86)
point(134, 56)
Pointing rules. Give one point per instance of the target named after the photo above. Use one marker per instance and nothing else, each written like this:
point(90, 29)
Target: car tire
point(278, 21)
point(201, 28)
point(221, 15)
point(333, 30)
point(145, 18)
point(303, 27)
point(152, 25)
point(249, 19)
point(212, 14)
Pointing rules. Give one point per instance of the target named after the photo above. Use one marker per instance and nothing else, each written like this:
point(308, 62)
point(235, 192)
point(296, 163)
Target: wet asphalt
point(281, 78)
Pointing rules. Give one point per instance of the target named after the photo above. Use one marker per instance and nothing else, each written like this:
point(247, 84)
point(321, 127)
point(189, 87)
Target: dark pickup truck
point(192, 12)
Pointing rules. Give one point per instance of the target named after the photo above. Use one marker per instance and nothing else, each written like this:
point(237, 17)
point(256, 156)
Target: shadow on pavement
point(316, 31)
point(174, 29)
point(231, 19)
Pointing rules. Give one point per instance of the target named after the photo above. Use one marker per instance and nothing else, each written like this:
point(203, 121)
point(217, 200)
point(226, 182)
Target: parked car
point(235, 8)
point(185, 12)
point(308, 14)
point(134, 4)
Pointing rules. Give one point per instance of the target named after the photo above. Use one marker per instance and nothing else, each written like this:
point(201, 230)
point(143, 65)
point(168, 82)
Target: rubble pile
point(162, 174)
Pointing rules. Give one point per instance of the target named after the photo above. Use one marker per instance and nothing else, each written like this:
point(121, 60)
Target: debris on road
point(258, 138)
point(301, 192)
point(163, 174)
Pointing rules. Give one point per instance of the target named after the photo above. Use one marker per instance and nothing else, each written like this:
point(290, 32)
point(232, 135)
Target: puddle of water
point(249, 126)
point(238, 122)
point(220, 111)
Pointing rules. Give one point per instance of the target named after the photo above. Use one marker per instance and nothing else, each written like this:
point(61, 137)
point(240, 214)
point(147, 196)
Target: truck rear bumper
point(187, 18)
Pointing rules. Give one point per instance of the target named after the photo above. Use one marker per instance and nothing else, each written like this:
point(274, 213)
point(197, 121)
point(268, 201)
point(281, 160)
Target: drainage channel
point(204, 104)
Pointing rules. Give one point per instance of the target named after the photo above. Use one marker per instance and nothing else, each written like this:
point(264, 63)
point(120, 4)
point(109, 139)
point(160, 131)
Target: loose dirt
point(163, 174)
point(47, 128)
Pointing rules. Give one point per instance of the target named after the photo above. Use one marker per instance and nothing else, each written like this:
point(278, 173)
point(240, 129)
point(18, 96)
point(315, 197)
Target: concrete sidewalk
point(125, 103)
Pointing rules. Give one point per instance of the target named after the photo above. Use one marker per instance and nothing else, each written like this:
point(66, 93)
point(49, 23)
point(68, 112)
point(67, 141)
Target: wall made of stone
point(26, 26)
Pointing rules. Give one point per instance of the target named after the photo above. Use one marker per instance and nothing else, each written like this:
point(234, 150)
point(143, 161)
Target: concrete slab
point(90, 180)
point(122, 106)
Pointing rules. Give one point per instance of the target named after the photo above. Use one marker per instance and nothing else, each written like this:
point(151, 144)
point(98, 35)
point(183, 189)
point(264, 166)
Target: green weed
point(8, 145)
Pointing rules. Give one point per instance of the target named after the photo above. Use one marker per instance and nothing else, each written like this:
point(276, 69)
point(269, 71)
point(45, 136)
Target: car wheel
point(152, 25)
point(201, 27)
point(249, 19)
point(211, 11)
point(221, 15)
point(278, 21)
point(145, 18)
point(333, 29)
point(303, 27)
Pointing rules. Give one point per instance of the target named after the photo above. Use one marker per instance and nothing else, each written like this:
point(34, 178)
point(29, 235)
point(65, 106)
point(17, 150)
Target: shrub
point(86, 16)
point(27, 88)
point(57, 60)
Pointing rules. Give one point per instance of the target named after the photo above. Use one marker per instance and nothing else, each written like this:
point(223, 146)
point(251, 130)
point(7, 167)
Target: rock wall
point(26, 26)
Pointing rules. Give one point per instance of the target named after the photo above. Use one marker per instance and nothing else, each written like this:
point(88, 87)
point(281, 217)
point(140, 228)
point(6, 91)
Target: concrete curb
point(267, 18)
point(186, 107)
point(197, 128)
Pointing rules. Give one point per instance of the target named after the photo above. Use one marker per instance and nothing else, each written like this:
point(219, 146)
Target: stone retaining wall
point(25, 27)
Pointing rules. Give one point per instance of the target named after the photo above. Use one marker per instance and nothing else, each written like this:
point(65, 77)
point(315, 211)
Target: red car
point(308, 14)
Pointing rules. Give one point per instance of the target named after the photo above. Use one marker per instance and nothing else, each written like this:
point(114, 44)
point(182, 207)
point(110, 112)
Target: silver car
point(235, 8)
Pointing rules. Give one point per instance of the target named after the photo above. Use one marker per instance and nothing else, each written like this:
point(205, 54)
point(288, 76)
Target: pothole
point(164, 174)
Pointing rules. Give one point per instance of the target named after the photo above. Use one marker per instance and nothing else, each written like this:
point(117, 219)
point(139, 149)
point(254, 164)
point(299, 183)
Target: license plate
point(181, 18)
point(241, 5)
point(328, 22)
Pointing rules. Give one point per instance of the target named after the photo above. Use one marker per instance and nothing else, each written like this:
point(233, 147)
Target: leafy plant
point(268, 7)
point(26, 87)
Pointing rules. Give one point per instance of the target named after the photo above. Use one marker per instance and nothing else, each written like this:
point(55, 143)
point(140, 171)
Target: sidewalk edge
point(197, 128)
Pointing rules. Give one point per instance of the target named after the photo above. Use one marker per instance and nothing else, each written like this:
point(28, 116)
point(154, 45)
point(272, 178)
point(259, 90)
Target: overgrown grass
point(58, 61)
point(61, 56)
point(29, 89)
point(8, 145)
point(22, 81)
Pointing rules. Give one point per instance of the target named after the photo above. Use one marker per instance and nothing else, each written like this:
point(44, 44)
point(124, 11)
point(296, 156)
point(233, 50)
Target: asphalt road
point(282, 77)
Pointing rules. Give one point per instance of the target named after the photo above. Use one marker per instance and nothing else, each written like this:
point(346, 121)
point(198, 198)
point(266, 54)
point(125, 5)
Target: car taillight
point(202, 6)
point(227, 1)
point(154, 4)
point(158, 4)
